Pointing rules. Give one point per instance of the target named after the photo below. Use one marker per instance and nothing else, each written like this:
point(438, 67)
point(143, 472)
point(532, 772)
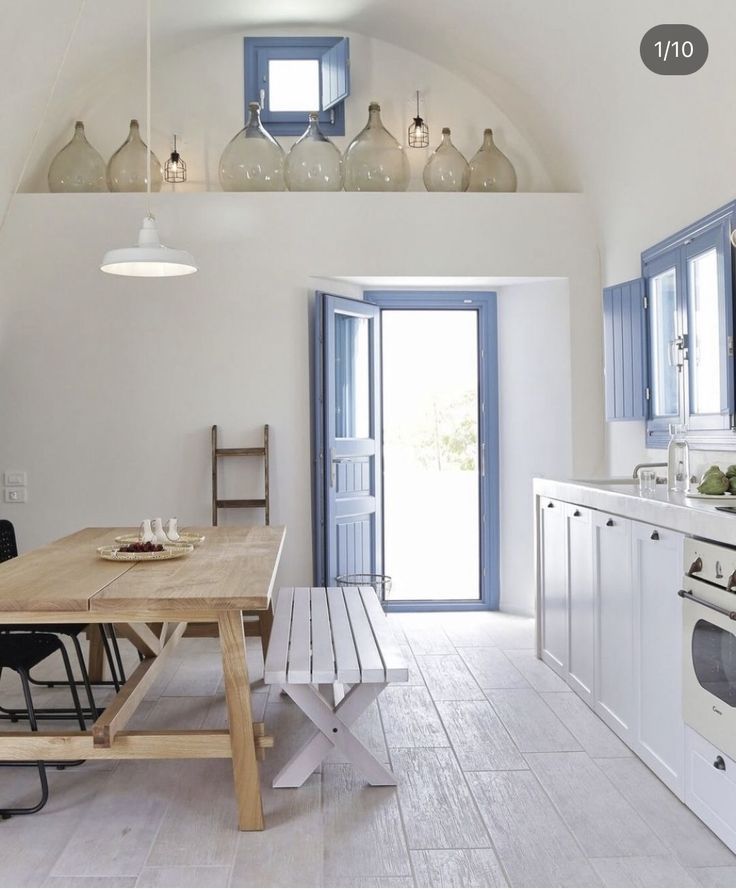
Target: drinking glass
point(647, 481)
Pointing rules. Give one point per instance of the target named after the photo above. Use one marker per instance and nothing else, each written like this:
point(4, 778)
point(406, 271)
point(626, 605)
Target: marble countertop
point(668, 509)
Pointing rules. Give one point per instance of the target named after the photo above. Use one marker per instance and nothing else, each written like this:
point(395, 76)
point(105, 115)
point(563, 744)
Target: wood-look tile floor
point(505, 779)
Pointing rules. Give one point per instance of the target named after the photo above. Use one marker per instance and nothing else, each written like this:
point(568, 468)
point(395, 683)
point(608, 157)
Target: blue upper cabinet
point(689, 288)
point(291, 76)
point(625, 350)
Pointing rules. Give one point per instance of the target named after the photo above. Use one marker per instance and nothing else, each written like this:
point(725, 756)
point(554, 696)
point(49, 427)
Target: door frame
point(485, 304)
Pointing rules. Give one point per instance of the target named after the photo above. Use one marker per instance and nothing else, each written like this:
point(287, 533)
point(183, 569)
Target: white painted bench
point(338, 636)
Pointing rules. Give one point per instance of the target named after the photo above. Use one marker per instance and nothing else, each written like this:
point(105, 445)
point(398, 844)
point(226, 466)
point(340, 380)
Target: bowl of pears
point(715, 483)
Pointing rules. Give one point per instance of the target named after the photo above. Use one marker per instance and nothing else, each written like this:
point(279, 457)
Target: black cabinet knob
point(609, 523)
point(655, 536)
point(719, 763)
point(577, 513)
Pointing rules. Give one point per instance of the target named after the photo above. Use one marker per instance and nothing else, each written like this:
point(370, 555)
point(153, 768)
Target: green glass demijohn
point(446, 170)
point(374, 161)
point(314, 163)
point(126, 169)
point(253, 161)
point(77, 167)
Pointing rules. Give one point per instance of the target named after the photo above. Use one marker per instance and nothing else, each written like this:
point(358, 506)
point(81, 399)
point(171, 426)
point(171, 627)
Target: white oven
point(709, 622)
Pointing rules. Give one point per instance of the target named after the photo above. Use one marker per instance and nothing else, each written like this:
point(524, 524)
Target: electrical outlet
point(15, 495)
point(15, 478)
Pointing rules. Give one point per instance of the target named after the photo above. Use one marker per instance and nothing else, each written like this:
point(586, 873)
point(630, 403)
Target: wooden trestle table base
point(67, 583)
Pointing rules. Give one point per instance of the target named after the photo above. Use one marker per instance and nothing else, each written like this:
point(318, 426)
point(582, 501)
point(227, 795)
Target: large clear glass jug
point(374, 161)
point(314, 163)
point(253, 161)
point(77, 167)
point(126, 169)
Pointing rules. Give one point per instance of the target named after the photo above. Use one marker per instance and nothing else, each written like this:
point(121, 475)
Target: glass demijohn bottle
point(374, 161)
point(253, 161)
point(126, 169)
point(77, 167)
point(314, 163)
point(678, 459)
point(490, 169)
point(446, 170)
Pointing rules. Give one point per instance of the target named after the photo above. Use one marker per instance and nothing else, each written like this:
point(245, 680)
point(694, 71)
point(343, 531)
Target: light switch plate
point(15, 478)
point(15, 495)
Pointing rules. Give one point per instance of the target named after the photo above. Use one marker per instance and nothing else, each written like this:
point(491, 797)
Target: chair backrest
point(8, 546)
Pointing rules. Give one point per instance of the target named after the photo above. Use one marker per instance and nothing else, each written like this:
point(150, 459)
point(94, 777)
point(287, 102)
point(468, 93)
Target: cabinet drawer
point(711, 792)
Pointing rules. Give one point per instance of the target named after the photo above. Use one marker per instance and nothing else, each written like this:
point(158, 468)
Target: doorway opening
point(409, 488)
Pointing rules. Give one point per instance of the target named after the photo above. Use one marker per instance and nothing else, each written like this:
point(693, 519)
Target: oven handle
point(688, 594)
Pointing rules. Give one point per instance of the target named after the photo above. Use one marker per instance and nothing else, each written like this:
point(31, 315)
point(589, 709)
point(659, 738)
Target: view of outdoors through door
point(431, 454)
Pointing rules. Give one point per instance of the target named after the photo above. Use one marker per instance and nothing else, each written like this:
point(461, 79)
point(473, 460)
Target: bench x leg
point(333, 732)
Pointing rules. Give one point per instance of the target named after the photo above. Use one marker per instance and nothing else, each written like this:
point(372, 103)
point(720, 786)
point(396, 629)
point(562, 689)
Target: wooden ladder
point(225, 503)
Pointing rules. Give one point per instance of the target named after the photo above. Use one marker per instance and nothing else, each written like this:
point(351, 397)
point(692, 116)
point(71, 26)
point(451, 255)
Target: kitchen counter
point(667, 509)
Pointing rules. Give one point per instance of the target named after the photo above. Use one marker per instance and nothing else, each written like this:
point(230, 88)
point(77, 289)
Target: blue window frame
point(332, 55)
point(690, 306)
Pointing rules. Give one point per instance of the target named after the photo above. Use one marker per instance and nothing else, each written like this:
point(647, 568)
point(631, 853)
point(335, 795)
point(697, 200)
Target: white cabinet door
point(614, 698)
point(657, 576)
point(553, 576)
point(581, 593)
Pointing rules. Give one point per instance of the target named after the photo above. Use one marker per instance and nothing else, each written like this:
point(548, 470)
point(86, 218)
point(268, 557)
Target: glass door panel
point(663, 342)
point(706, 340)
point(714, 660)
point(352, 377)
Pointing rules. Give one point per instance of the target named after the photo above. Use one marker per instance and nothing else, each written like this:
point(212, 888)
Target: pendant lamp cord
point(148, 108)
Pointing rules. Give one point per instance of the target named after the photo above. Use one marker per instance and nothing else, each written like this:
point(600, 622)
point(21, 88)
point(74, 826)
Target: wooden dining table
point(153, 603)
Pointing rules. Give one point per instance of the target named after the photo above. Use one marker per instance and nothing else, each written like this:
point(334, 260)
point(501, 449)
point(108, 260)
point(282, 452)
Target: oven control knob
point(719, 763)
point(696, 567)
point(731, 583)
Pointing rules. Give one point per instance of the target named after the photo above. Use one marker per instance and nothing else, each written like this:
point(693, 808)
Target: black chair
point(9, 550)
point(21, 652)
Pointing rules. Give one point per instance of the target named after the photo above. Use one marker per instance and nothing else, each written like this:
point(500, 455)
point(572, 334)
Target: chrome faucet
point(635, 474)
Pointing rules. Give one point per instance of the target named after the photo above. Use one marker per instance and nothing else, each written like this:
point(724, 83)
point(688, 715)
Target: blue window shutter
point(336, 74)
point(624, 329)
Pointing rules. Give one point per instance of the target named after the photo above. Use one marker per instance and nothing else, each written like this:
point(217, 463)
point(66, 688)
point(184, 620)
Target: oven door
point(709, 684)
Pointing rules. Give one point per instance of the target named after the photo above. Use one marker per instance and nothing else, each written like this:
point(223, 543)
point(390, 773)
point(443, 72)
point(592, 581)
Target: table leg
point(96, 657)
point(240, 721)
point(265, 622)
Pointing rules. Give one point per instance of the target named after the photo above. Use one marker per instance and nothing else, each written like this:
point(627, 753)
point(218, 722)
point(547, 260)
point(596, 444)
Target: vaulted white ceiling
point(567, 72)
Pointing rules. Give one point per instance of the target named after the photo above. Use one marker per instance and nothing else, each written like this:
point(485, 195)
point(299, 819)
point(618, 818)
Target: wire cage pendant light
point(175, 169)
point(149, 258)
point(418, 131)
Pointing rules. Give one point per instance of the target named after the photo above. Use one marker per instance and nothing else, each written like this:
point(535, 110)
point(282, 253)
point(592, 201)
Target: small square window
point(293, 85)
point(291, 76)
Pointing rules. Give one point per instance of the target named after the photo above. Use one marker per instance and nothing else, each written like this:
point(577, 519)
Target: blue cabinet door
point(347, 420)
point(625, 350)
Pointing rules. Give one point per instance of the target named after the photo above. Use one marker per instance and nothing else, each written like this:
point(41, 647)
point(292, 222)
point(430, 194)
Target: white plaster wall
point(535, 420)
point(108, 386)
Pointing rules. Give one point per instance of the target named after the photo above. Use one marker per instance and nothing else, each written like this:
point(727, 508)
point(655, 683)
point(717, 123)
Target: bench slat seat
point(325, 637)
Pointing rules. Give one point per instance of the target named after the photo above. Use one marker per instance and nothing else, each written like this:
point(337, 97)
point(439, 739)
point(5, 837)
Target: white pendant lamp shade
point(150, 258)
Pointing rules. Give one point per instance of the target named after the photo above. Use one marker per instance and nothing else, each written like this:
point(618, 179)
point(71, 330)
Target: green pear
point(712, 471)
point(714, 484)
point(731, 471)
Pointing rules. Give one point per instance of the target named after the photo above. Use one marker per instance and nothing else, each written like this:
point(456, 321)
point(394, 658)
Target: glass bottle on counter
point(314, 163)
point(374, 161)
point(446, 170)
point(77, 167)
point(678, 459)
point(253, 161)
point(126, 169)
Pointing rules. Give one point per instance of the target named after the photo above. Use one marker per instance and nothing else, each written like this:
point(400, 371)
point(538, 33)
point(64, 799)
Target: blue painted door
point(351, 440)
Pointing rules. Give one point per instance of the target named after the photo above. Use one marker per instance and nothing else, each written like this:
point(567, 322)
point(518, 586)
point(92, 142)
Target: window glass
point(714, 660)
point(663, 311)
point(352, 377)
point(705, 333)
point(293, 85)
